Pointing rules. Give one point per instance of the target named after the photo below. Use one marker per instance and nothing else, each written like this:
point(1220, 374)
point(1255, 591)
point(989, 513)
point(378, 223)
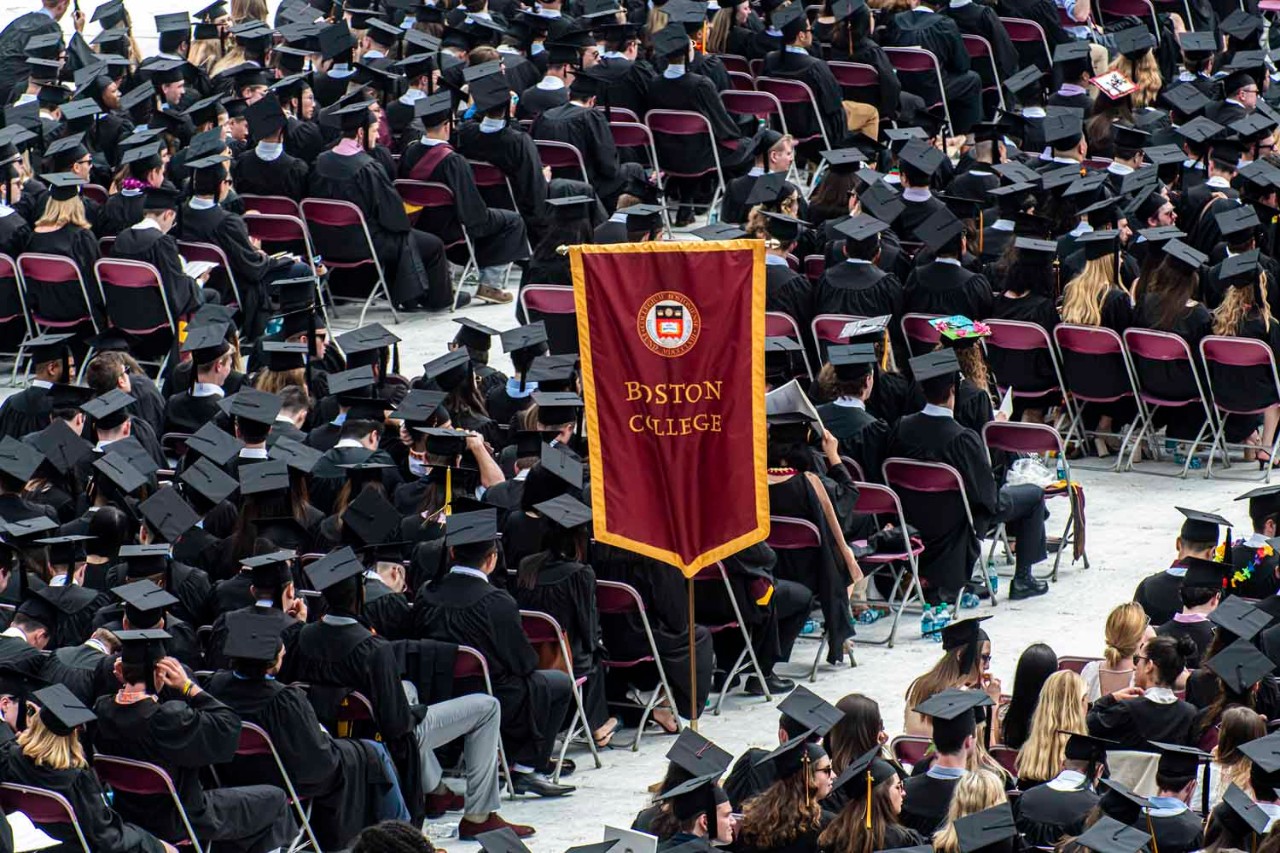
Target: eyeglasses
point(829, 770)
point(1137, 658)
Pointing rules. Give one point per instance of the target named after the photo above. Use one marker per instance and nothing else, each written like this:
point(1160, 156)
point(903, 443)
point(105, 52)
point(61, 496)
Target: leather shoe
point(470, 829)
point(532, 783)
point(1027, 587)
point(566, 767)
point(438, 804)
point(776, 683)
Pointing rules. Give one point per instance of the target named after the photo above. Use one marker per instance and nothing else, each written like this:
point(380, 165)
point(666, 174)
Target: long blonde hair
point(275, 381)
point(976, 791)
point(944, 675)
point(46, 749)
point(58, 213)
point(657, 20)
point(234, 56)
point(1236, 306)
point(1083, 296)
point(1060, 708)
point(721, 26)
point(1146, 73)
point(1125, 627)
point(205, 53)
point(248, 10)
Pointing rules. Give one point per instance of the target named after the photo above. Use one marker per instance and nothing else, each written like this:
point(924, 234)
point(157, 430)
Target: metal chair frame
point(1220, 433)
point(664, 687)
point(580, 715)
point(104, 764)
point(381, 285)
point(747, 657)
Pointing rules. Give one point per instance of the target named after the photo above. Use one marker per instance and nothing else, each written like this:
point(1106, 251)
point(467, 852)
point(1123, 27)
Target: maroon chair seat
point(1075, 663)
point(45, 808)
point(909, 749)
point(277, 205)
point(860, 82)
point(543, 631)
point(552, 304)
point(1165, 377)
point(143, 779)
point(56, 292)
point(919, 332)
point(1094, 369)
point(614, 598)
point(337, 230)
point(735, 63)
point(1017, 351)
point(881, 502)
point(561, 156)
point(1030, 41)
point(1224, 359)
point(798, 97)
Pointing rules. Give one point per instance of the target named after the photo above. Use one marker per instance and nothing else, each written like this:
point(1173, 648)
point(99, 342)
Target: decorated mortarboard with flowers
point(1114, 85)
point(958, 327)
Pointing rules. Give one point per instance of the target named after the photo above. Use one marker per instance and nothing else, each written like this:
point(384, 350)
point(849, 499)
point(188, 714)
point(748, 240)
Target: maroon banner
point(672, 343)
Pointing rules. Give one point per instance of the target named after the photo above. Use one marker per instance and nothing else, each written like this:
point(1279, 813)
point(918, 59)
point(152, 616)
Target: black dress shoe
point(566, 767)
point(532, 783)
point(777, 685)
point(1027, 587)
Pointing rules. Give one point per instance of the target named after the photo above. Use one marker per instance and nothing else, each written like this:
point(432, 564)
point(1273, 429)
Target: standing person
point(1198, 536)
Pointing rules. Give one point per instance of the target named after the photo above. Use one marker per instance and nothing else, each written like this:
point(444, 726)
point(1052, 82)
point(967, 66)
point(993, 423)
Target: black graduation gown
point(343, 775)
point(913, 215)
point(466, 610)
point(826, 91)
point(981, 20)
point(747, 778)
point(1201, 633)
point(286, 175)
point(863, 437)
point(360, 179)
point(513, 152)
point(1159, 595)
point(1020, 370)
point(103, 828)
point(1045, 814)
point(227, 230)
point(628, 83)
point(1137, 722)
point(696, 93)
point(161, 251)
point(862, 290)
point(950, 544)
point(122, 210)
point(784, 288)
point(534, 101)
point(303, 139)
point(588, 131)
point(939, 34)
point(189, 585)
point(13, 41)
point(502, 407)
point(497, 235)
point(15, 232)
point(187, 413)
point(1180, 833)
point(387, 611)
point(78, 244)
point(25, 412)
point(927, 799)
point(943, 288)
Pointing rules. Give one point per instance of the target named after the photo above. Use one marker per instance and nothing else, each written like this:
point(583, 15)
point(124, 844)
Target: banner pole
point(693, 665)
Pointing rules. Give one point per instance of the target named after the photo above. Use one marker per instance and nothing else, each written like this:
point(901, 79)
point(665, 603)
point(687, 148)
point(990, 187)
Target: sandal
point(669, 722)
point(603, 740)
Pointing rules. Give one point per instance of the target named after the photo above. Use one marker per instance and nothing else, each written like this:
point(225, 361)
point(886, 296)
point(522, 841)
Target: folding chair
point(1024, 438)
point(636, 135)
point(741, 81)
point(909, 750)
point(276, 205)
point(561, 156)
point(1133, 9)
point(736, 64)
point(552, 304)
point(1094, 369)
point(1006, 757)
point(491, 182)
point(14, 316)
point(331, 226)
point(919, 333)
point(45, 808)
point(918, 63)
point(94, 192)
point(779, 324)
point(254, 741)
point(137, 304)
point(761, 105)
point(755, 67)
point(1223, 357)
point(1015, 351)
point(1147, 348)
point(55, 293)
point(798, 97)
point(921, 486)
point(614, 598)
point(681, 124)
point(877, 500)
point(542, 629)
point(278, 232)
point(470, 666)
point(214, 254)
point(1074, 663)
point(1030, 41)
point(814, 266)
point(435, 211)
point(798, 534)
point(826, 329)
point(716, 574)
point(618, 113)
point(860, 82)
point(143, 779)
point(979, 49)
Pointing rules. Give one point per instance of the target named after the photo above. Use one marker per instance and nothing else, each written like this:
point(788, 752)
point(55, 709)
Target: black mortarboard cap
point(1240, 24)
point(670, 39)
point(334, 568)
point(18, 459)
point(61, 445)
point(298, 456)
point(142, 648)
point(940, 229)
point(145, 603)
point(444, 442)
point(1200, 129)
point(449, 370)
point(118, 469)
point(696, 755)
point(557, 407)
point(1242, 221)
point(1082, 747)
point(1099, 244)
point(810, 711)
point(214, 443)
point(986, 828)
point(1264, 752)
point(861, 227)
point(951, 704)
point(1249, 812)
point(852, 361)
point(60, 710)
point(372, 518)
point(253, 635)
point(922, 157)
point(209, 481)
point(563, 464)
point(1201, 526)
point(565, 511)
point(1112, 836)
point(1240, 270)
point(1240, 665)
point(471, 528)
point(1179, 760)
point(1199, 42)
point(269, 476)
point(1062, 130)
point(1134, 41)
point(255, 405)
point(1241, 618)
point(474, 334)
point(768, 189)
point(1186, 255)
point(502, 840)
point(168, 514)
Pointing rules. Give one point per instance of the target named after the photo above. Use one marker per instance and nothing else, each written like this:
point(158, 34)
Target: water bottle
point(941, 618)
point(1062, 470)
point(926, 623)
point(810, 628)
point(992, 577)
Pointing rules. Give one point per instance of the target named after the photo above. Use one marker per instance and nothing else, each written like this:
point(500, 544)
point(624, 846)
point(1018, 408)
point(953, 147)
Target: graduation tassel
point(868, 798)
point(1151, 829)
point(448, 491)
point(808, 789)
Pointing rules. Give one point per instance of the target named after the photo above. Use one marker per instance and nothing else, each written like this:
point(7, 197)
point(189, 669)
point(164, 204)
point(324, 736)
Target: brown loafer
point(470, 829)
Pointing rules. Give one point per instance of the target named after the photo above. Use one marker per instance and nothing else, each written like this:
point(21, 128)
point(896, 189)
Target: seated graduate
point(1149, 710)
point(1052, 809)
point(269, 587)
point(63, 230)
point(1172, 823)
point(941, 284)
point(464, 607)
point(267, 169)
point(47, 754)
point(1264, 776)
point(788, 815)
point(211, 358)
point(30, 409)
point(160, 715)
point(149, 240)
point(1201, 591)
point(352, 782)
point(372, 525)
point(772, 152)
point(497, 235)
point(793, 62)
point(523, 344)
point(933, 434)
point(928, 795)
point(338, 653)
point(848, 379)
point(873, 795)
point(701, 815)
point(803, 715)
point(859, 283)
point(690, 757)
point(632, 222)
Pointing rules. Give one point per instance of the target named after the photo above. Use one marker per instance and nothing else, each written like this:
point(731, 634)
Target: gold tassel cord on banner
point(562, 250)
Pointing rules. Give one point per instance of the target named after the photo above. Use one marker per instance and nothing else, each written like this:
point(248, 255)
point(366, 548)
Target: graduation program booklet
point(1006, 403)
point(195, 269)
point(28, 836)
point(790, 398)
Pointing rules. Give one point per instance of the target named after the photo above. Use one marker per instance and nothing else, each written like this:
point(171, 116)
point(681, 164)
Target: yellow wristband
point(186, 688)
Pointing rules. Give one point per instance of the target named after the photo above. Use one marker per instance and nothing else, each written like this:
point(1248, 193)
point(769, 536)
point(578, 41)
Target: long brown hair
point(1171, 286)
point(946, 673)
point(849, 832)
point(858, 730)
point(783, 811)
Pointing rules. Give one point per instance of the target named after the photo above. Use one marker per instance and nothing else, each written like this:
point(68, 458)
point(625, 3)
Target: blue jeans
point(392, 806)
